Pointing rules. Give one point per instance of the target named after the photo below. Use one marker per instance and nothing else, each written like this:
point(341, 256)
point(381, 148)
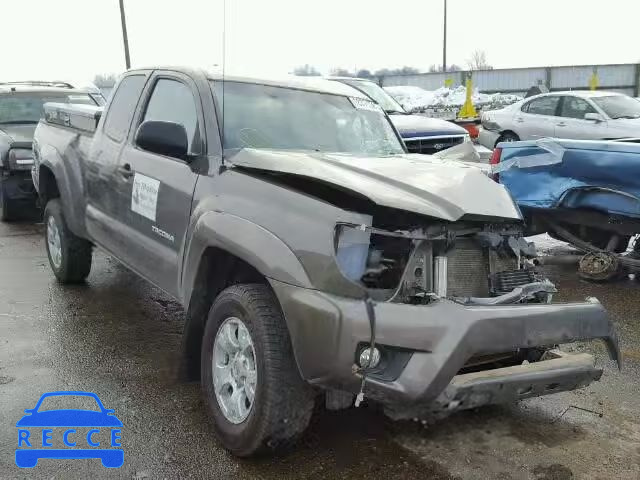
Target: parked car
point(580, 115)
point(584, 192)
point(421, 134)
point(313, 255)
point(20, 109)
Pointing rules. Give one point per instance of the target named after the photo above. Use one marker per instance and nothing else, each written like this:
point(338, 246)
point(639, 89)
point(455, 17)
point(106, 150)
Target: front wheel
point(69, 255)
point(508, 137)
point(250, 380)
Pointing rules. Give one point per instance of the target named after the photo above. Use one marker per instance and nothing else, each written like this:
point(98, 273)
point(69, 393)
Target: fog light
point(365, 357)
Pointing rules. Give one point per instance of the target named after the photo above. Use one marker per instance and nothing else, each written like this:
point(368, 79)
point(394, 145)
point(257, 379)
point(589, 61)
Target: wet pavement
point(120, 337)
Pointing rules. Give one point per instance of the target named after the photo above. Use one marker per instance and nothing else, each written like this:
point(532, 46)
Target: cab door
point(572, 124)
point(157, 206)
point(105, 187)
point(537, 118)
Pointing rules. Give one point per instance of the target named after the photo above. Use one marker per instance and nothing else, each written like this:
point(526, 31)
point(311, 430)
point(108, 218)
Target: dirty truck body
point(313, 238)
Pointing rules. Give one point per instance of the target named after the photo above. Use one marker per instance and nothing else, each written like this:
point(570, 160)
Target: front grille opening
point(429, 146)
point(493, 361)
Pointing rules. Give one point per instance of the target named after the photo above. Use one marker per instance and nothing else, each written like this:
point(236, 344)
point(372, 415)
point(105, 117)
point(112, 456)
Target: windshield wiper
point(627, 116)
point(18, 122)
point(395, 112)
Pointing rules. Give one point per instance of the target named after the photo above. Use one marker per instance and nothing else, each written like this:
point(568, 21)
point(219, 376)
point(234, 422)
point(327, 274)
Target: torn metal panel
point(465, 152)
point(597, 175)
point(552, 153)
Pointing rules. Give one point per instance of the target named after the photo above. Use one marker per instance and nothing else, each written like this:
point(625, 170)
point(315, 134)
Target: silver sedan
point(585, 115)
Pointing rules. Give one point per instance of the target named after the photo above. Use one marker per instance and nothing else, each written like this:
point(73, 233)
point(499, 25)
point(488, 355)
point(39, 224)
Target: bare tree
point(396, 71)
point(450, 68)
point(306, 70)
point(105, 80)
point(341, 72)
point(478, 61)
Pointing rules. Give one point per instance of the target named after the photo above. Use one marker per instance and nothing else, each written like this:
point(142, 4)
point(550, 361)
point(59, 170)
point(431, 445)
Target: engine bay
point(464, 262)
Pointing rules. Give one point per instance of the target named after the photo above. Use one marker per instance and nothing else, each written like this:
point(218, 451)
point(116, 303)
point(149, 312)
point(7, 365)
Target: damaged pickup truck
point(314, 256)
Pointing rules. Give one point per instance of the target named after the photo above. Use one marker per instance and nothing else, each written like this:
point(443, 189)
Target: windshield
point(619, 106)
point(17, 107)
point(377, 93)
point(259, 116)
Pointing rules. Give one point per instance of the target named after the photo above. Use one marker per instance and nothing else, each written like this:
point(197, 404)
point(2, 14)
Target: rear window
point(542, 106)
point(23, 107)
point(123, 104)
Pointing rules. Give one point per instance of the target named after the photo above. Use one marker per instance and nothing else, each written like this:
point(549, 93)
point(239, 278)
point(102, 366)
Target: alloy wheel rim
point(53, 241)
point(234, 370)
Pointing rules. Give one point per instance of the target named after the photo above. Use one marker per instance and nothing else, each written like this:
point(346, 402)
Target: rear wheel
point(250, 380)
point(508, 137)
point(69, 255)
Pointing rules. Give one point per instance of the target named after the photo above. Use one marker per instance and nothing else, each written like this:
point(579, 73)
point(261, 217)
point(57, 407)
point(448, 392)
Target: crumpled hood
point(19, 133)
point(420, 126)
point(432, 186)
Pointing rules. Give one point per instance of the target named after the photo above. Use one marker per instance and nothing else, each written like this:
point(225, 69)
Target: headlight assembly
point(352, 250)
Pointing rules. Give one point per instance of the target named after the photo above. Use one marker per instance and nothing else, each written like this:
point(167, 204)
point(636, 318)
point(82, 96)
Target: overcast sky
point(75, 39)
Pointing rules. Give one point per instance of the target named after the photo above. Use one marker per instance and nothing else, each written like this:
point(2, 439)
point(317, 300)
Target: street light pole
point(444, 41)
point(124, 35)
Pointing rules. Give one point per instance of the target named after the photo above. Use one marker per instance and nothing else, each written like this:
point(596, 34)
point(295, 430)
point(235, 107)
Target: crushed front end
point(460, 319)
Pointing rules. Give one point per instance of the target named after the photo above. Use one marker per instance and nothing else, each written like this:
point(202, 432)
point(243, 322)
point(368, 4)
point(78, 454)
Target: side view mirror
point(596, 117)
point(163, 138)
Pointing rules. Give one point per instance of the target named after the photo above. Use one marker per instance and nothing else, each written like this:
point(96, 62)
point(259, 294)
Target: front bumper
point(327, 330)
point(18, 186)
point(488, 138)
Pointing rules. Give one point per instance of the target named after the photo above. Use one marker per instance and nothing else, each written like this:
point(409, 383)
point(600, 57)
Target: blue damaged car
point(64, 422)
point(582, 191)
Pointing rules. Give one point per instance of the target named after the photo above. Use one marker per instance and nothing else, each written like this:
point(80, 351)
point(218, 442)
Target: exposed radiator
point(468, 269)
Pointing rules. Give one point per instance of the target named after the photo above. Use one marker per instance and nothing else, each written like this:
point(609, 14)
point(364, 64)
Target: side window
point(124, 102)
point(172, 101)
point(573, 107)
point(543, 106)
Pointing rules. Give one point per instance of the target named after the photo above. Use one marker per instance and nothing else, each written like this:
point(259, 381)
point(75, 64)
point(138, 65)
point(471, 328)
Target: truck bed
point(68, 129)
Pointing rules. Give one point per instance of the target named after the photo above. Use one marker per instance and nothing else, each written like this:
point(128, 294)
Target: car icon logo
point(39, 429)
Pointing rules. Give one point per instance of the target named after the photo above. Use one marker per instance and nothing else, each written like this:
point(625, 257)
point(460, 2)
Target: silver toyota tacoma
point(315, 258)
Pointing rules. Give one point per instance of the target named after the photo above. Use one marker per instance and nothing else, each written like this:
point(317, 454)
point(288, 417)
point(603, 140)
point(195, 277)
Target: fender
point(248, 241)
point(608, 200)
point(67, 180)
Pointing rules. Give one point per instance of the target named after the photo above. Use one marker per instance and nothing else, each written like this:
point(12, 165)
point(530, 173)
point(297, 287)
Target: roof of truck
point(311, 84)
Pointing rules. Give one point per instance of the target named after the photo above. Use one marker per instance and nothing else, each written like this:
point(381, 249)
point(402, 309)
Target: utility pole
point(444, 41)
point(125, 39)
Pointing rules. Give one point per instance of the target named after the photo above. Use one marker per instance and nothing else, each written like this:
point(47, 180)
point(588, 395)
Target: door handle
point(125, 171)
point(561, 124)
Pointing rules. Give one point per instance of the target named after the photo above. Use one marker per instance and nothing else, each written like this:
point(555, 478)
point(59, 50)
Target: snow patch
point(416, 99)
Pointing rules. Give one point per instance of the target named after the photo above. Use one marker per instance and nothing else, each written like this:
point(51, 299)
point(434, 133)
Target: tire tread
point(289, 399)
